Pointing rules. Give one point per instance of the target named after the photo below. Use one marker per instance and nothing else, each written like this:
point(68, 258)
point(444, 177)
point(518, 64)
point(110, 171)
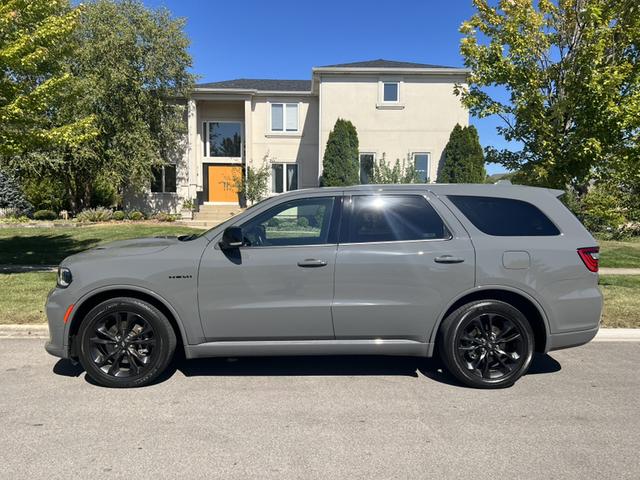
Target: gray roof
point(270, 85)
point(381, 63)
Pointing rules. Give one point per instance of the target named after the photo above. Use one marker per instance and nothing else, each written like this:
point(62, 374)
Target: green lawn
point(48, 246)
point(22, 297)
point(621, 300)
point(620, 254)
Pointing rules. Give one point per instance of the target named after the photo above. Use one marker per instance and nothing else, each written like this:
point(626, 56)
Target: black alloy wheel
point(125, 342)
point(486, 344)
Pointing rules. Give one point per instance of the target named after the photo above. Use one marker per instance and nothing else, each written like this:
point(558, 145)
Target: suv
point(483, 275)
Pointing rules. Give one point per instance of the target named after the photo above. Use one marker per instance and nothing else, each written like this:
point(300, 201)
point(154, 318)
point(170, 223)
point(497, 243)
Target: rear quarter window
point(504, 217)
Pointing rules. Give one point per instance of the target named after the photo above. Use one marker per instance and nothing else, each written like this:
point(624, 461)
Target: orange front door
point(223, 180)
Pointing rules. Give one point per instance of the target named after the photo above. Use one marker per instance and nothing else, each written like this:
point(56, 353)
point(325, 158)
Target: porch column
point(195, 182)
point(248, 134)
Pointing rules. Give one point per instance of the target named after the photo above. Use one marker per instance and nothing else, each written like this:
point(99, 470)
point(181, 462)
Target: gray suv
point(482, 275)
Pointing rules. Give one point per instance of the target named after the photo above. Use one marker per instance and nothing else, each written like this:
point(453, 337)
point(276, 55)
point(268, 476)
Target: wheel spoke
point(106, 333)
point(143, 341)
point(106, 358)
point(102, 341)
point(115, 366)
point(132, 362)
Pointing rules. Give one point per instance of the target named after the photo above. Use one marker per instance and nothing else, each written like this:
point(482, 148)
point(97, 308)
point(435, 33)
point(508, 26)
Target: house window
point(163, 179)
point(421, 163)
point(284, 117)
point(366, 167)
point(390, 92)
point(284, 177)
point(222, 139)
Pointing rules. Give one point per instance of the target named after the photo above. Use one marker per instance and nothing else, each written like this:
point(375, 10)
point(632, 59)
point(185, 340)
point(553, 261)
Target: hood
point(123, 248)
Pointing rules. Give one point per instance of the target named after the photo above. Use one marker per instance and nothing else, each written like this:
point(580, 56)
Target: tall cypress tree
point(463, 158)
point(340, 162)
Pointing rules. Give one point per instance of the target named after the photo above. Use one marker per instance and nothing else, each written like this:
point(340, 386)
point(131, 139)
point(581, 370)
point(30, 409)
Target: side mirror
point(232, 238)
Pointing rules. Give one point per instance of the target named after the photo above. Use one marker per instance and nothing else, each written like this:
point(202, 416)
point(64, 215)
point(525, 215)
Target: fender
point(432, 337)
point(136, 288)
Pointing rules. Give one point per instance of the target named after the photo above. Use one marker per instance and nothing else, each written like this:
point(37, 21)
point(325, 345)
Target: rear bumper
point(571, 339)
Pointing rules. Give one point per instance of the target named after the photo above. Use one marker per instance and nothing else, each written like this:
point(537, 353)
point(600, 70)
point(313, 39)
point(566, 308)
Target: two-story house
point(401, 110)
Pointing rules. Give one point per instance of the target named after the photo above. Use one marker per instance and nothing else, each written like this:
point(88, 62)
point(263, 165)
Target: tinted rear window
point(386, 218)
point(504, 217)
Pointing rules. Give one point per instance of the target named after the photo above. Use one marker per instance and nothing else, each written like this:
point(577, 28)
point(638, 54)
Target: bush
point(45, 215)
point(273, 222)
point(136, 216)
point(99, 214)
point(118, 215)
point(303, 222)
point(164, 217)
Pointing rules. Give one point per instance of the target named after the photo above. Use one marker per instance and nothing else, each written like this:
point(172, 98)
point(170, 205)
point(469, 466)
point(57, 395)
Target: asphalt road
point(576, 415)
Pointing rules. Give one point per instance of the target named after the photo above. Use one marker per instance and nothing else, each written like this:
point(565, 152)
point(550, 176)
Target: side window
point(382, 218)
point(297, 222)
point(504, 217)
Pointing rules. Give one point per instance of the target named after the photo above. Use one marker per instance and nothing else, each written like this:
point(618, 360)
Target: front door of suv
point(398, 266)
point(279, 285)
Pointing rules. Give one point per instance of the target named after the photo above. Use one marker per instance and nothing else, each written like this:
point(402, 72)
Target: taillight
point(590, 257)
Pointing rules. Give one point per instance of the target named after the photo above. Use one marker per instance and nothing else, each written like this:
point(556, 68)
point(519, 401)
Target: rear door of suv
point(401, 259)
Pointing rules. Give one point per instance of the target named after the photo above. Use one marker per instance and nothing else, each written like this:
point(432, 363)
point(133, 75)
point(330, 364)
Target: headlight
point(64, 277)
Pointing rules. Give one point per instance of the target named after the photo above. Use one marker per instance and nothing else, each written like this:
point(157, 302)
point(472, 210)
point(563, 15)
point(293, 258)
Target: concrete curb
point(42, 331)
point(619, 271)
point(24, 331)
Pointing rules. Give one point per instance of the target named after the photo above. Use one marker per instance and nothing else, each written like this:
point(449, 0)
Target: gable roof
point(269, 85)
point(382, 63)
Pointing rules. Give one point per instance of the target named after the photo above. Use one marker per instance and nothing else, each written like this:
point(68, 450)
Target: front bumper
point(56, 306)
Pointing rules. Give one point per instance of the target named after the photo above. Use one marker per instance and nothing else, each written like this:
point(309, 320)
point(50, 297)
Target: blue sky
point(285, 38)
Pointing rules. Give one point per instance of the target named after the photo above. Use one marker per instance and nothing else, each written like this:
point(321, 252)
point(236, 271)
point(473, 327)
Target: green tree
point(463, 157)
point(133, 66)
point(36, 41)
point(571, 72)
point(340, 162)
point(12, 200)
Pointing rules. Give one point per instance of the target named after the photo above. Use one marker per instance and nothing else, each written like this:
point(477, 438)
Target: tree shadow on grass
point(48, 249)
point(336, 366)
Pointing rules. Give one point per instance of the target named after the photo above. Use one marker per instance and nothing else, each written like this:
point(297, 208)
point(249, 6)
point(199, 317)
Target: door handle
point(311, 263)
point(448, 259)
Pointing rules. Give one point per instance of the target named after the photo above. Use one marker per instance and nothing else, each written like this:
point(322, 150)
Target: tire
point(486, 344)
point(129, 333)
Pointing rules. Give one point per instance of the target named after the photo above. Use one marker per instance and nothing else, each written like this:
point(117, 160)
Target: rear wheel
point(125, 342)
point(486, 344)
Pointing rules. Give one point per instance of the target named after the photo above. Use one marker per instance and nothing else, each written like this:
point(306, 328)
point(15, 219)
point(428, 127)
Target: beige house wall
point(422, 120)
point(300, 147)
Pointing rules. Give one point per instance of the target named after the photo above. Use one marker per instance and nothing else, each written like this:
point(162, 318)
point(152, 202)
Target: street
point(575, 415)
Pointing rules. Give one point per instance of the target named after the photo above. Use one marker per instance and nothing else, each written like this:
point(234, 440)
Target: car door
point(399, 265)
point(279, 284)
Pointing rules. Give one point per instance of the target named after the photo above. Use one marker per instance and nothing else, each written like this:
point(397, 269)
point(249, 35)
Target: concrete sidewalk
point(42, 331)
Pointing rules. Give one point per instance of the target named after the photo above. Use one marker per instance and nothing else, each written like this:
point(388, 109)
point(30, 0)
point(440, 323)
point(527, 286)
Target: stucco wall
point(429, 112)
point(300, 148)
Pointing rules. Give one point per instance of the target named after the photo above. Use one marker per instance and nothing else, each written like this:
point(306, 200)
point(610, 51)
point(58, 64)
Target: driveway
point(576, 415)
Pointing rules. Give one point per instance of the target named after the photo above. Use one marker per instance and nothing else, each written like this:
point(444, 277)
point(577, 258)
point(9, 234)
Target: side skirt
point(308, 347)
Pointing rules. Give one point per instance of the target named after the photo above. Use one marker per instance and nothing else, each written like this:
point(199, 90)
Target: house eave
point(252, 92)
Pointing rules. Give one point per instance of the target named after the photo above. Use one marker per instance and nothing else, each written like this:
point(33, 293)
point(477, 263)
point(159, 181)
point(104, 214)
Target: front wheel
point(486, 344)
point(125, 342)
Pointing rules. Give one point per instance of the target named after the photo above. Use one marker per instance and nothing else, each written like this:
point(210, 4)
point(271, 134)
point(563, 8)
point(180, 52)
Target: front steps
point(212, 215)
